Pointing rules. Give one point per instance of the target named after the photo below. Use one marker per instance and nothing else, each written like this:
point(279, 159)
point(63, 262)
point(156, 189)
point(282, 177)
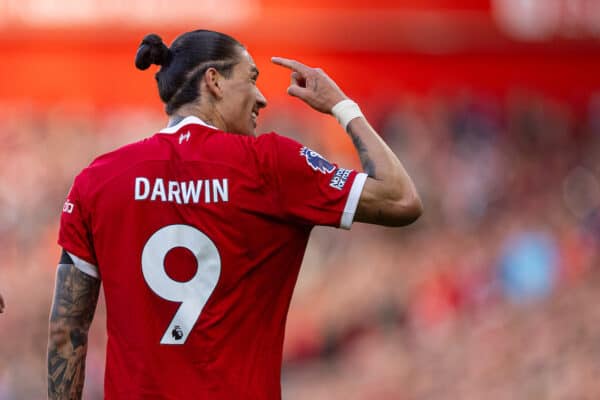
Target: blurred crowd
point(491, 294)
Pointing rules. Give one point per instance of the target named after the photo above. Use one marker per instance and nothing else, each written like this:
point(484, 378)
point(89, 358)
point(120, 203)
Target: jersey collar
point(186, 121)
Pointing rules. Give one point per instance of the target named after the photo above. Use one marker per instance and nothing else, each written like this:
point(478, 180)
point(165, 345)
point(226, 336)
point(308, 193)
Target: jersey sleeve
point(75, 233)
point(310, 189)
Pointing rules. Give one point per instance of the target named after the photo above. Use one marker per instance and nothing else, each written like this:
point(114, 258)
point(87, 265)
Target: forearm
point(377, 159)
point(75, 299)
point(389, 197)
point(67, 349)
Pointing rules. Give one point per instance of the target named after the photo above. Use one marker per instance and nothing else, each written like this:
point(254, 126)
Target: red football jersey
point(198, 236)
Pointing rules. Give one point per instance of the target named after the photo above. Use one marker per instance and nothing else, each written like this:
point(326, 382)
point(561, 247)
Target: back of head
point(184, 63)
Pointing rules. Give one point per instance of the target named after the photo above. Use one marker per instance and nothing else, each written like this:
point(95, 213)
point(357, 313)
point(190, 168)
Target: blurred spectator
point(528, 266)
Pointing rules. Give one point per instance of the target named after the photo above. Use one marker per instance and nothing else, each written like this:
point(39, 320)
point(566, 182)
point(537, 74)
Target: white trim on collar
point(186, 121)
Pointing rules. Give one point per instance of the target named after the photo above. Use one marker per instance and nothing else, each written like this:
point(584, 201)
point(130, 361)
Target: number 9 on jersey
point(192, 294)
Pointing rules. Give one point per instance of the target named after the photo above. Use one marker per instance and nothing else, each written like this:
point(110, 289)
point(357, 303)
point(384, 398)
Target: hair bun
point(152, 50)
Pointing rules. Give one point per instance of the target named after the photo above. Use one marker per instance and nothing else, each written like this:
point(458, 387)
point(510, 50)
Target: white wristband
point(345, 111)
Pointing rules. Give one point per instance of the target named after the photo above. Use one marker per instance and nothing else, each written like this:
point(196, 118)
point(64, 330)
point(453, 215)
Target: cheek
point(249, 96)
point(240, 100)
point(245, 101)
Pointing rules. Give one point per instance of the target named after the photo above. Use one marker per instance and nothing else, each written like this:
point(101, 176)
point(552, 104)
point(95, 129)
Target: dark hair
point(182, 65)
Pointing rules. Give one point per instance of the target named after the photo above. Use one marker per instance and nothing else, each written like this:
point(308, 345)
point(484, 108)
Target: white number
point(192, 294)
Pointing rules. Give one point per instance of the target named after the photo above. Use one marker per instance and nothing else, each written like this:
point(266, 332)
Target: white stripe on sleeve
point(84, 266)
point(352, 202)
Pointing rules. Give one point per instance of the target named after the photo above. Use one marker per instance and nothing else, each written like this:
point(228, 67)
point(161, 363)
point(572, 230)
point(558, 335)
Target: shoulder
point(269, 149)
point(130, 152)
point(107, 165)
point(264, 139)
point(241, 148)
point(275, 139)
point(274, 143)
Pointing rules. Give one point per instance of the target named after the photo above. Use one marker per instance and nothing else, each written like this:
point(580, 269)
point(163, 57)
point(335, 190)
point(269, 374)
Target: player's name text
point(182, 192)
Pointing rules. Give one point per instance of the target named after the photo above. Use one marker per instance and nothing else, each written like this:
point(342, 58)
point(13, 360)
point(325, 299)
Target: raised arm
point(389, 196)
point(75, 299)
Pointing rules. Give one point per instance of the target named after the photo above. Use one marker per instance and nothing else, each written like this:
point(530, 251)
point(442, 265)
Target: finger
point(291, 64)
point(298, 91)
point(298, 79)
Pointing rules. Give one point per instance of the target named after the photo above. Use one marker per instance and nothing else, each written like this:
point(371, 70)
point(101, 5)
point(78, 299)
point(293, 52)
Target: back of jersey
point(198, 236)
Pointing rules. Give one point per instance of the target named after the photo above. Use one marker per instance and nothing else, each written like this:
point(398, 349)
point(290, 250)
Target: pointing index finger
point(291, 64)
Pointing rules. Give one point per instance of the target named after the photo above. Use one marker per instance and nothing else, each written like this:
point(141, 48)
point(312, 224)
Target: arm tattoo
point(75, 299)
point(363, 153)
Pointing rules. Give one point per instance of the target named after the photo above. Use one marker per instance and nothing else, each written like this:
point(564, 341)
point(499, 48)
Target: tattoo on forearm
point(363, 153)
point(75, 299)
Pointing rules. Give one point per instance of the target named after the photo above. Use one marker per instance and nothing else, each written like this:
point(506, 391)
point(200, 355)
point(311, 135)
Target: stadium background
point(494, 107)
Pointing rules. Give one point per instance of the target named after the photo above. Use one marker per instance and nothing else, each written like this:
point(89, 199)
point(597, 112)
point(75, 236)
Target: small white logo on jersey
point(339, 179)
point(68, 207)
point(185, 137)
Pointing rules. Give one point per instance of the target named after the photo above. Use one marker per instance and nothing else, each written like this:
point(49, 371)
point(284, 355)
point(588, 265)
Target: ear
point(212, 78)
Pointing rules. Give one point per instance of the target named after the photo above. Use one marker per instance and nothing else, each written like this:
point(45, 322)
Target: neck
point(174, 120)
point(210, 118)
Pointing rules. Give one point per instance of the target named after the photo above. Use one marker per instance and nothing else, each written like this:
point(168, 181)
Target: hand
point(311, 85)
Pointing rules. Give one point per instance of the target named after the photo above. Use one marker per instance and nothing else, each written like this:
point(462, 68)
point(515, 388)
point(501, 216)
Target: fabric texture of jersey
point(198, 236)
